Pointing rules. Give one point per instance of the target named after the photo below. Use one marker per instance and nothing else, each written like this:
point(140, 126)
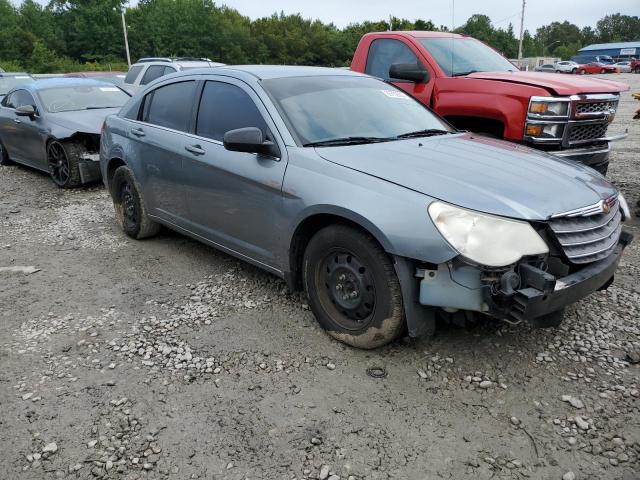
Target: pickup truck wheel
point(131, 212)
point(4, 155)
point(63, 161)
point(352, 287)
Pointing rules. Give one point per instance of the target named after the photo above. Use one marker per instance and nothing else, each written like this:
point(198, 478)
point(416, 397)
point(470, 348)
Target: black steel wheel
point(4, 155)
point(131, 213)
point(63, 164)
point(352, 287)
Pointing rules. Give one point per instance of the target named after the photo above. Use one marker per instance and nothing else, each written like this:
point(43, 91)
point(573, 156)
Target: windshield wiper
point(462, 74)
point(346, 141)
point(430, 132)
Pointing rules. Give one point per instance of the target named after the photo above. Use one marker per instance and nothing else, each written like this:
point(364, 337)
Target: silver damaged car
point(345, 186)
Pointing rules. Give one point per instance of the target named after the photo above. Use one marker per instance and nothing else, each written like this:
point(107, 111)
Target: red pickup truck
point(475, 88)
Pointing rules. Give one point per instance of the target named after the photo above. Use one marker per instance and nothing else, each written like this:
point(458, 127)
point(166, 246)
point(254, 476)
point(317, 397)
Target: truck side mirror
point(412, 72)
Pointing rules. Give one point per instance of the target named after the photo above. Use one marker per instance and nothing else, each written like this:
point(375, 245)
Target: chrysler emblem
point(605, 207)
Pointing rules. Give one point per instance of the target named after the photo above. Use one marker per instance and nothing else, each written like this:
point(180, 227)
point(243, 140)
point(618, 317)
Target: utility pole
point(390, 23)
point(521, 32)
point(126, 40)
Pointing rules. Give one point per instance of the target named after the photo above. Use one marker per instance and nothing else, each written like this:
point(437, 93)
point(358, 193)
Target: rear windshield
point(68, 99)
point(462, 56)
point(9, 83)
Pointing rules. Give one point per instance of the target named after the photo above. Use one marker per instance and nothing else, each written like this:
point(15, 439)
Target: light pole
point(548, 46)
point(126, 39)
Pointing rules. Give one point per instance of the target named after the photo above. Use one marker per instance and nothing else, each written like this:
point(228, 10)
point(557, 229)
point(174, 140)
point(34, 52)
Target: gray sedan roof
point(265, 72)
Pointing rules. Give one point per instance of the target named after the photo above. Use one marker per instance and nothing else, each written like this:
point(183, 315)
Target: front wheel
point(574, 70)
point(63, 161)
point(131, 211)
point(602, 70)
point(582, 72)
point(352, 287)
point(637, 70)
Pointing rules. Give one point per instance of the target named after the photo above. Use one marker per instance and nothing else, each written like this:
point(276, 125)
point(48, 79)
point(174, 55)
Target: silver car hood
point(86, 121)
point(479, 173)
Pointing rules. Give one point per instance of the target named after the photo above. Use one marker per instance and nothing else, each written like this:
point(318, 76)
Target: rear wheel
point(574, 70)
point(582, 72)
point(637, 70)
point(4, 155)
point(63, 161)
point(131, 211)
point(602, 70)
point(352, 287)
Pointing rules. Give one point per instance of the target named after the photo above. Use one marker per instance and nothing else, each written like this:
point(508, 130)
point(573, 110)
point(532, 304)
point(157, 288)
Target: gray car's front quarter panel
point(396, 216)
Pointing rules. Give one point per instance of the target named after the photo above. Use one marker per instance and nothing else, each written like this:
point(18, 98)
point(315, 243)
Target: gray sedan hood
point(479, 173)
point(86, 121)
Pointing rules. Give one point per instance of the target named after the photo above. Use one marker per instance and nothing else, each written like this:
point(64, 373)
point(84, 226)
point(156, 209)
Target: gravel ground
point(167, 359)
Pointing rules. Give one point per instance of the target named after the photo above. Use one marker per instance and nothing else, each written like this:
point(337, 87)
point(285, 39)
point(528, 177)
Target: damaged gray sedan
point(349, 188)
point(54, 125)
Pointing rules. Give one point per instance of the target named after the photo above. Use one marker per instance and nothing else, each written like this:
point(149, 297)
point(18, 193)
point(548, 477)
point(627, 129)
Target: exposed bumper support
point(90, 168)
point(541, 294)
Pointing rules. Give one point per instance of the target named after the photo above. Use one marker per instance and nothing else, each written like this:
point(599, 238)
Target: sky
point(342, 12)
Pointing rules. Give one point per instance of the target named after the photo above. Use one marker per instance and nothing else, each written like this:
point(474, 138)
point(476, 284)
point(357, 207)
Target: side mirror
point(26, 111)
point(413, 72)
point(249, 140)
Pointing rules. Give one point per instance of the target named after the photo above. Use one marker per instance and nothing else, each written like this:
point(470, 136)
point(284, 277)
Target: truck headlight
point(548, 107)
point(486, 239)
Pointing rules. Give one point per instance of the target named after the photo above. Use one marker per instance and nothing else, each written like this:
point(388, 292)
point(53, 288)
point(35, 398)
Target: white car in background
point(566, 66)
point(623, 67)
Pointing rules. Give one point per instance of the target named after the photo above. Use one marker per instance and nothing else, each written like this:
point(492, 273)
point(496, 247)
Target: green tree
point(618, 28)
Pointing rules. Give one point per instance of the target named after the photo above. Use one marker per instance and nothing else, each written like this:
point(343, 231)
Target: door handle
point(138, 132)
point(195, 149)
point(17, 120)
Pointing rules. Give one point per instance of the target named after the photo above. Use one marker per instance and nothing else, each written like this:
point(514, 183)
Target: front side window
point(385, 52)
point(225, 107)
point(170, 106)
point(20, 98)
point(133, 74)
point(458, 56)
point(331, 108)
point(68, 99)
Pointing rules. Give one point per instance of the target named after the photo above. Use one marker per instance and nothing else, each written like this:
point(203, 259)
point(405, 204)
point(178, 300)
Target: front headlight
point(486, 239)
point(624, 206)
point(548, 107)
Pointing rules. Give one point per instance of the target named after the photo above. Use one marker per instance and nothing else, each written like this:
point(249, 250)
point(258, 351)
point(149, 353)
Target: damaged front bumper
point(522, 293)
point(89, 167)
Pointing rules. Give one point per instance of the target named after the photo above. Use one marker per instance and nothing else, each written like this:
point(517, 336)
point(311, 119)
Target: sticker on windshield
point(394, 94)
point(108, 89)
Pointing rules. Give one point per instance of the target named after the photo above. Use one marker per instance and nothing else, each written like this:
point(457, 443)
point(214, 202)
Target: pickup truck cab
point(475, 88)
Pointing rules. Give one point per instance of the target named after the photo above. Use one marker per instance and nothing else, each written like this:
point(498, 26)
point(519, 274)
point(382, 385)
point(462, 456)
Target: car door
point(234, 197)
point(22, 136)
point(385, 52)
point(158, 141)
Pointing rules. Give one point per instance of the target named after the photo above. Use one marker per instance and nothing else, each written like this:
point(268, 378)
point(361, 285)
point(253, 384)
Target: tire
point(558, 71)
point(574, 71)
point(602, 70)
point(352, 287)
point(4, 156)
point(637, 70)
point(582, 72)
point(63, 160)
point(550, 320)
point(131, 211)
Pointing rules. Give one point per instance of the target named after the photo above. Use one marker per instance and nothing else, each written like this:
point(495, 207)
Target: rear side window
point(170, 106)
point(153, 72)
point(225, 107)
point(133, 74)
point(385, 52)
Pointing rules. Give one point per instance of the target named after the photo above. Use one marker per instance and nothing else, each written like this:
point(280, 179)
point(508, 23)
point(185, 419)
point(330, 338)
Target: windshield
point(67, 99)
point(330, 108)
point(461, 56)
point(8, 83)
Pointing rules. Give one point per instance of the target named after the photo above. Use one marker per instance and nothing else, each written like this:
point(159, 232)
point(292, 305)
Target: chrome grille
point(587, 131)
point(591, 237)
point(588, 108)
